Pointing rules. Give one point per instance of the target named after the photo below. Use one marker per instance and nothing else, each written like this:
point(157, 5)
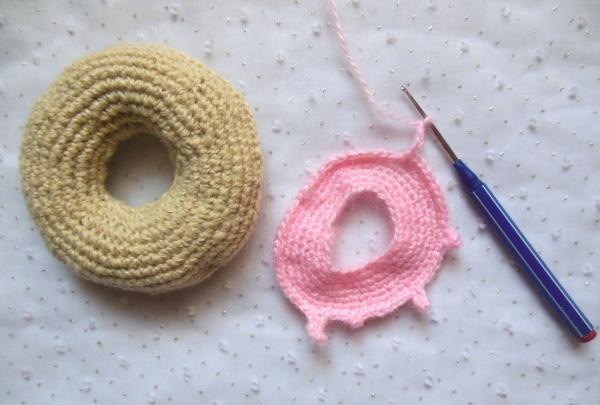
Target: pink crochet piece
point(421, 235)
point(414, 205)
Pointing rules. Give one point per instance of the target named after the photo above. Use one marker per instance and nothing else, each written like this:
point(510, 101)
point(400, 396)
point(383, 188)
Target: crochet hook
point(517, 244)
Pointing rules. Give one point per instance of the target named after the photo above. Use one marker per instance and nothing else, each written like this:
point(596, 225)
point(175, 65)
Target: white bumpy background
point(514, 86)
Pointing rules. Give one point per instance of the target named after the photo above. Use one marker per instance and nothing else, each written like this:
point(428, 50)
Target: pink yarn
point(421, 235)
point(358, 74)
point(414, 205)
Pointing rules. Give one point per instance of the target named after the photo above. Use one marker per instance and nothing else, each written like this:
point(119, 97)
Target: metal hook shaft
point(436, 132)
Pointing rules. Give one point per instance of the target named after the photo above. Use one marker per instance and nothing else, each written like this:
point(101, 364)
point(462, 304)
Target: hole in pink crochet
point(421, 236)
point(348, 254)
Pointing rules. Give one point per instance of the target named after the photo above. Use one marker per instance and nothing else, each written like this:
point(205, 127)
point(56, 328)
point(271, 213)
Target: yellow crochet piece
point(73, 130)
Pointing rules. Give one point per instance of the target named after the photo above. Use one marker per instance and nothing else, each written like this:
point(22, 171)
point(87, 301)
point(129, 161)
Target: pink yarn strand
point(360, 77)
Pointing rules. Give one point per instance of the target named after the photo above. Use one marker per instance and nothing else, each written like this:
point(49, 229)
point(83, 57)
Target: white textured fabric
point(512, 85)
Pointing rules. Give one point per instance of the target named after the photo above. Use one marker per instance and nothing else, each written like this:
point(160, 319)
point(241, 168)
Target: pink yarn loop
point(421, 235)
point(415, 208)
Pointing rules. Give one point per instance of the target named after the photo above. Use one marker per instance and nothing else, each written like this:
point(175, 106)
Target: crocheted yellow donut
point(74, 128)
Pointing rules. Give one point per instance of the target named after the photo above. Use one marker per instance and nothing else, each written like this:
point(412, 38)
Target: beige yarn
point(73, 130)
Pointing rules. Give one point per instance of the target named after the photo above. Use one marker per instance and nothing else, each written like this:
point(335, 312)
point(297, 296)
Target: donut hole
point(363, 232)
point(140, 171)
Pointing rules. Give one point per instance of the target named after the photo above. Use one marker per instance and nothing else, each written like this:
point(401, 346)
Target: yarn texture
point(414, 205)
point(75, 127)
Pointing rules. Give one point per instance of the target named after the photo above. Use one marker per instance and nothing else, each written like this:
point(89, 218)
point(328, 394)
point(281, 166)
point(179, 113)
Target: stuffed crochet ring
point(193, 229)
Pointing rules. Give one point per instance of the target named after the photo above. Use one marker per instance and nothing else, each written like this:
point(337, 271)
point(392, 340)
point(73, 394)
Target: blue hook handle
point(538, 272)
